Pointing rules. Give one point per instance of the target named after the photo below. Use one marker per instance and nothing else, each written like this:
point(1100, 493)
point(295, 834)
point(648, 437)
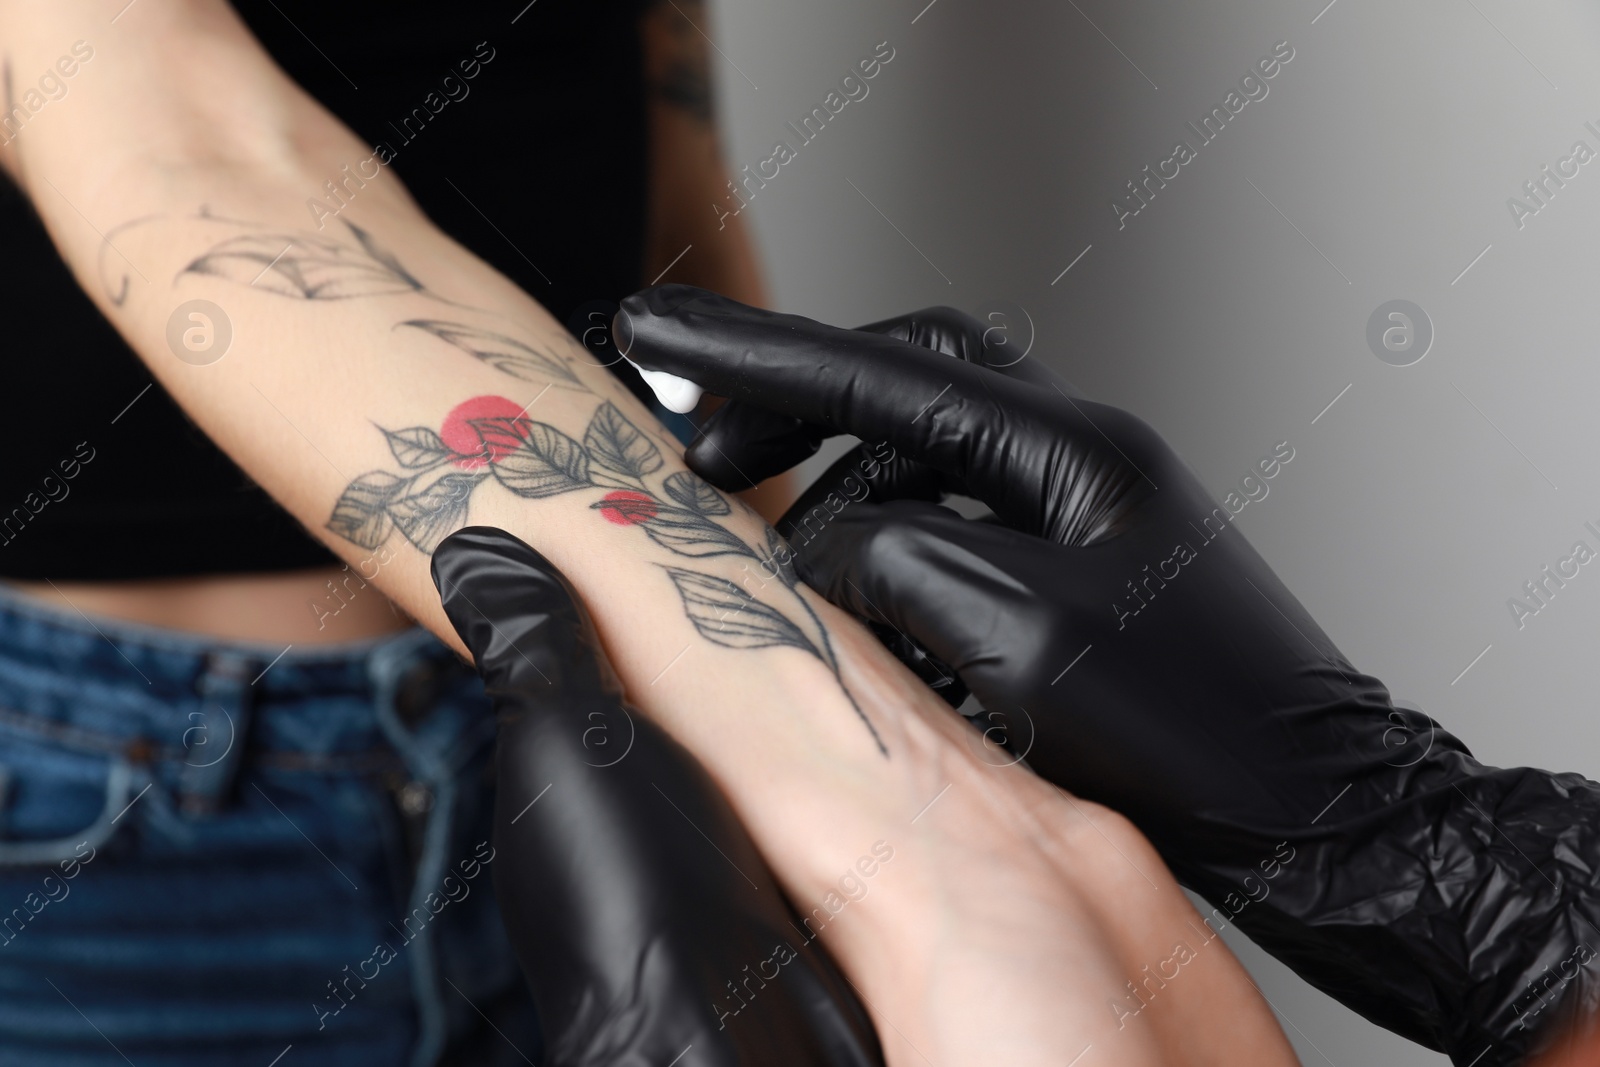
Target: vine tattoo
point(292, 263)
point(491, 437)
point(505, 354)
point(308, 266)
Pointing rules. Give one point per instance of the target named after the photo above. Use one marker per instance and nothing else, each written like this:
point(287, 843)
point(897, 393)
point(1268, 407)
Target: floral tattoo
point(490, 437)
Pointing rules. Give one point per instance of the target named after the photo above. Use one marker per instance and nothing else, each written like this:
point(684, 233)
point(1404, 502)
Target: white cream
point(675, 393)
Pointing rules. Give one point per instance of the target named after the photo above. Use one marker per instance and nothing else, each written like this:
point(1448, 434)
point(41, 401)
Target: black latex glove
point(1149, 659)
point(649, 928)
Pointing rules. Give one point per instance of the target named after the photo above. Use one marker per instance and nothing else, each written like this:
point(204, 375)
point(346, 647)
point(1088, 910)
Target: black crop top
point(548, 140)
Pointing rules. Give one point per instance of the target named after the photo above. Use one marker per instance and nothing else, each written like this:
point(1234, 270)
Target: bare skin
point(236, 607)
point(1579, 1047)
point(388, 387)
point(1025, 921)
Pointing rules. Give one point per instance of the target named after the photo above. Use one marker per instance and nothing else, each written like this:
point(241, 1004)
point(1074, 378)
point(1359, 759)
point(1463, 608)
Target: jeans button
point(415, 798)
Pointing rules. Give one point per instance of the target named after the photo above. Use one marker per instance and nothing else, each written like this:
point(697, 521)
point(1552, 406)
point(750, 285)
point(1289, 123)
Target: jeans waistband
point(109, 683)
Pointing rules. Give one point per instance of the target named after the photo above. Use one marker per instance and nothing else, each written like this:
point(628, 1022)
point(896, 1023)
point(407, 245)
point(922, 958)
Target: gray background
point(1418, 503)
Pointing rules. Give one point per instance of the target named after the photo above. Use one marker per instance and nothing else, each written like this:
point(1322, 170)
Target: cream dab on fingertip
point(676, 394)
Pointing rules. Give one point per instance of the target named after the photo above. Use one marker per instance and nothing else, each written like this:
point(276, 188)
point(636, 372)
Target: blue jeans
point(222, 852)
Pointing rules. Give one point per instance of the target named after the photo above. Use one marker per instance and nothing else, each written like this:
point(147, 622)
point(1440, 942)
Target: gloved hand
point(1149, 659)
point(624, 878)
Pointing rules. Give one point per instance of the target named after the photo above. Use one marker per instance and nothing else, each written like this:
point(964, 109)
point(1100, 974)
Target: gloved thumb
point(524, 624)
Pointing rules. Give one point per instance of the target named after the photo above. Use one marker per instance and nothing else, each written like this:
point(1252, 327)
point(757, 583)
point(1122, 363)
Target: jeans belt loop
point(214, 735)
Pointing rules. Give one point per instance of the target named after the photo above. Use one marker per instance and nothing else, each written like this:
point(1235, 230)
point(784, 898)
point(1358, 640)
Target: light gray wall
point(1233, 308)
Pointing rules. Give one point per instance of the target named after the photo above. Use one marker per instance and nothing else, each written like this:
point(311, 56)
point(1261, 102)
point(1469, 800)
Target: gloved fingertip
point(461, 567)
point(707, 459)
point(637, 310)
point(477, 559)
point(517, 614)
point(741, 445)
point(664, 299)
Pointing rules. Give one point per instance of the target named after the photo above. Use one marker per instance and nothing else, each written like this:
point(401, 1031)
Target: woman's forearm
point(387, 387)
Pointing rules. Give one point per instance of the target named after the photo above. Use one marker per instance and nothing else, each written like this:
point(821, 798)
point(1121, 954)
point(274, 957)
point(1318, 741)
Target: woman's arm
point(387, 387)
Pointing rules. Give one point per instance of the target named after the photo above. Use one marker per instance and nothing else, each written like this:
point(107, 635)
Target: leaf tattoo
point(780, 559)
point(506, 354)
point(306, 267)
point(534, 460)
point(726, 615)
point(426, 517)
point(618, 446)
point(380, 255)
point(685, 532)
point(418, 447)
point(361, 515)
point(696, 494)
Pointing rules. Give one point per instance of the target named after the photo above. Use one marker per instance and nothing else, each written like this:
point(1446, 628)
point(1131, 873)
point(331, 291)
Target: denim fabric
point(221, 852)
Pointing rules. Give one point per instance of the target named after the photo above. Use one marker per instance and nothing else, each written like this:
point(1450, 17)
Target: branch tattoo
point(490, 438)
